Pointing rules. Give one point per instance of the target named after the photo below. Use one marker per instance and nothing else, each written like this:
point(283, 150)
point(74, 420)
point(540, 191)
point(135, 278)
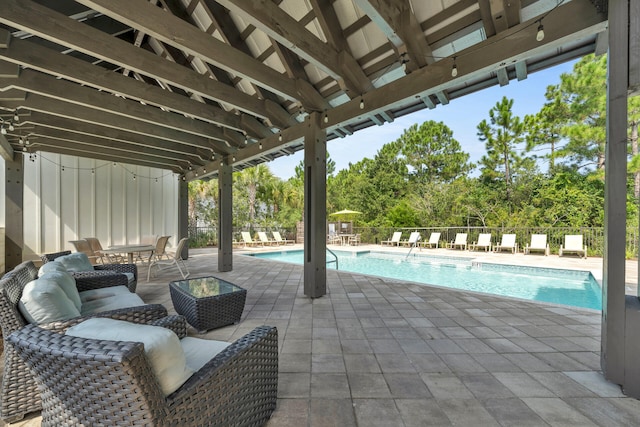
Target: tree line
point(540, 170)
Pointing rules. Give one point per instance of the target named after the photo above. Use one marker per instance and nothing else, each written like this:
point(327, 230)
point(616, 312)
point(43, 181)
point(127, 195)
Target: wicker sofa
point(98, 382)
point(19, 393)
point(114, 274)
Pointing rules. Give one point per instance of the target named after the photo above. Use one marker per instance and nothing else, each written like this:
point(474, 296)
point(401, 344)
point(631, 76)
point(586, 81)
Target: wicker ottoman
point(208, 302)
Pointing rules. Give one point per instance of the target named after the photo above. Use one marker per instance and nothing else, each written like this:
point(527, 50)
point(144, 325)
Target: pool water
point(568, 287)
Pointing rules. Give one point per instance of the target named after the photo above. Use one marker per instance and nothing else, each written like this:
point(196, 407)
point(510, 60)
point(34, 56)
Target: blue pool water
point(568, 287)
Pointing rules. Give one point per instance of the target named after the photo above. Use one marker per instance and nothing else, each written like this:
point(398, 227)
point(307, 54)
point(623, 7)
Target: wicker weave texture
point(19, 393)
point(94, 382)
point(102, 276)
point(208, 312)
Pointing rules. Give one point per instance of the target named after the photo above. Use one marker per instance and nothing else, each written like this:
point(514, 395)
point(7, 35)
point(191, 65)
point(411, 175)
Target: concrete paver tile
point(421, 412)
point(557, 412)
point(446, 386)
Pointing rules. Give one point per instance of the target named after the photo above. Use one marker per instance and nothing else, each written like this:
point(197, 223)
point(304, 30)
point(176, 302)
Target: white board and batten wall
point(67, 198)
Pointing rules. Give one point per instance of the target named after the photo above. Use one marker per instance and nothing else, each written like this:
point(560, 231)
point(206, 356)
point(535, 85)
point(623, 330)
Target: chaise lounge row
point(572, 243)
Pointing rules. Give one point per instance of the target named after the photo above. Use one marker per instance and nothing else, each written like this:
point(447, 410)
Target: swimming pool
point(568, 287)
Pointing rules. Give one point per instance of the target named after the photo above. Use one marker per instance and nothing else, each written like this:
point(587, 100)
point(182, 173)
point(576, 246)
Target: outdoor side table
point(208, 302)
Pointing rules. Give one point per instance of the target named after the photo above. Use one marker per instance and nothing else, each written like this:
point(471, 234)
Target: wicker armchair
point(102, 275)
point(95, 382)
point(19, 393)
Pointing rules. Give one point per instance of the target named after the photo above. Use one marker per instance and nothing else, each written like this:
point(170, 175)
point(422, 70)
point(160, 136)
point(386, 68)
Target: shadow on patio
point(379, 352)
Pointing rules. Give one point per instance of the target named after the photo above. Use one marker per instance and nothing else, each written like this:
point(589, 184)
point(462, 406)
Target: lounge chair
point(248, 241)
point(508, 242)
point(573, 244)
point(265, 240)
point(434, 239)
point(19, 394)
point(394, 241)
point(538, 243)
point(414, 237)
point(104, 381)
point(484, 242)
point(460, 242)
point(279, 240)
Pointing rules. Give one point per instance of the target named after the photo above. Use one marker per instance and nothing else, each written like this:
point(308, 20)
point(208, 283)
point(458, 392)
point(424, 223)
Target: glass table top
point(206, 286)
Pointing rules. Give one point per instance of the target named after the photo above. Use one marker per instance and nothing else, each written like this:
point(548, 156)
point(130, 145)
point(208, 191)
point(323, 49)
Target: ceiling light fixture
point(16, 118)
point(326, 118)
point(3, 131)
point(540, 33)
point(361, 103)
point(260, 146)
point(454, 69)
point(280, 137)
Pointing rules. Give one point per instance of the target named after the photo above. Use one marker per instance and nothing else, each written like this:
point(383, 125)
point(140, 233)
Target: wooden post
point(615, 195)
point(315, 208)
point(225, 218)
point(14, 200)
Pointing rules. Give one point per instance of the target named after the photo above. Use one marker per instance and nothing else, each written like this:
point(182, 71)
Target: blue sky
point(461, 115)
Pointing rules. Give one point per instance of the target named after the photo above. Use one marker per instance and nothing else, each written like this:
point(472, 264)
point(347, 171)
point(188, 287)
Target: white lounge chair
point(538, 243)
point(460, 242)
point(395, 239)
point(414, 237)
point(279, 240)
point(484, 242)
point(573, 244)
point(264, 239)
point(508, 242)
point(434, 240)
point(247, 240)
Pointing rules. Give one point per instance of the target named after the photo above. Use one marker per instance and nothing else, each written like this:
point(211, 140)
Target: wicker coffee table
point(208, 302)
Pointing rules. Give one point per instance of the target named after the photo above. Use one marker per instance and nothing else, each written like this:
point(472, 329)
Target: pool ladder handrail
point(413, 245)
point(334, 256)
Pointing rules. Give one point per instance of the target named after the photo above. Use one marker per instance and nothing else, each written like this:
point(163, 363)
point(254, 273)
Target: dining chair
point(83, 246)
point(174, 259)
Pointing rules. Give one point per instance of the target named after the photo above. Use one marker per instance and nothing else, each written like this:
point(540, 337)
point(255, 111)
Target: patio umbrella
point(345, 212)
point(345, 215)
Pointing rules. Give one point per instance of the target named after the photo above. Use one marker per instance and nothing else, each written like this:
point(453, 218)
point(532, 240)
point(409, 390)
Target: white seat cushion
point(100, 293)
point(76, 262)
point(114, 302)
point(51, 266)
point(67, 283)
point(198, 352)
point(161, 345)
point(44, 301)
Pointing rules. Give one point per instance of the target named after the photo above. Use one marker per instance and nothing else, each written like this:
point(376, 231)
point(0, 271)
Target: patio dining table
point(129, 250)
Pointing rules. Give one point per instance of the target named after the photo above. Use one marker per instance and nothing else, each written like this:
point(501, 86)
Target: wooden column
point(14, 227)
point(615, 196)
point(225, 219)
point(315, 208)
point(183, 215)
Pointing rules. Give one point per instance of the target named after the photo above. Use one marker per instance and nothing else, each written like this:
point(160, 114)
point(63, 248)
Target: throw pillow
point(161, 346)
point(43, 301)
point(76, 261)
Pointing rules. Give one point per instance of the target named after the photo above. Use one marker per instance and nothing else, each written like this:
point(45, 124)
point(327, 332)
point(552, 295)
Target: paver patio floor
point(379, 352)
